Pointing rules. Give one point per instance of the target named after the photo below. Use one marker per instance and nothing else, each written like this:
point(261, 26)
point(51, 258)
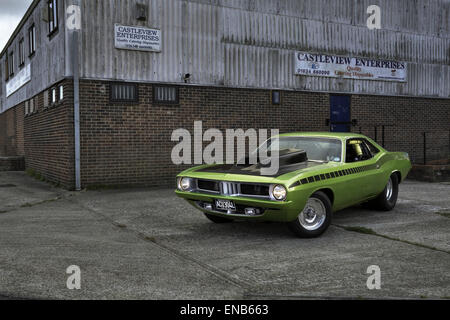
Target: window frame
point(53, 21)
point(60, 92)
point(174, 102)
point(272, 100)
point(31, 40)
point(124, 101)
point(21, 53)
point(363, 143)
point(371, 146)
point(11, 64)
point(6, 68)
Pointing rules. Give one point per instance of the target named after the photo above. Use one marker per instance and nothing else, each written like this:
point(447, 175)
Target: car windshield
point(317, 149)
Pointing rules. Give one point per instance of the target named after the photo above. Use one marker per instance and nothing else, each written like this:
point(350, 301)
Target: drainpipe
point(76, 108)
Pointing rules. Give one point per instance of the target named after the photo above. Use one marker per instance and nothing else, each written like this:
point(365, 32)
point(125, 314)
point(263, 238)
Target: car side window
point(374, 150)
point(357, 150)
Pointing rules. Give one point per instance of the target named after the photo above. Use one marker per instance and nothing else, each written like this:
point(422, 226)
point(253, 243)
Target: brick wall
point(12, 132)
point(49, 142)
point(406, 120)
point(130, 144)
point(126, 144)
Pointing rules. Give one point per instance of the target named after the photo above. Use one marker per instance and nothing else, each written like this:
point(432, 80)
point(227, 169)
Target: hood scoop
point(285, 158)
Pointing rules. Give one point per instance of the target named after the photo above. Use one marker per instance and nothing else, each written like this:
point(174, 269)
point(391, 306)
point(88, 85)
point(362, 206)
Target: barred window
point(165, 94)
point(124, 92)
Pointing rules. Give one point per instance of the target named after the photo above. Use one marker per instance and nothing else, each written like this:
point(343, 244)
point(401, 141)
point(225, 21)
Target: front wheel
point(315, 217)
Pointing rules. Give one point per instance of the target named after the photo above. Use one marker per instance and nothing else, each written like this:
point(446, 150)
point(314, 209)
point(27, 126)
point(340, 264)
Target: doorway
point(340, 113)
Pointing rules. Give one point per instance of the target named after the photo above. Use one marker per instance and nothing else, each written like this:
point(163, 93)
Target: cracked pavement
point(148, 244)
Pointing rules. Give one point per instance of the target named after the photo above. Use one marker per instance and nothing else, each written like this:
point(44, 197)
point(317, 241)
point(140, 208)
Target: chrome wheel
point(389, 190)
point(313, 215)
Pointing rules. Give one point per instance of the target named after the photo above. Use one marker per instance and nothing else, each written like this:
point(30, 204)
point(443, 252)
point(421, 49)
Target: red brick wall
point(49, 145)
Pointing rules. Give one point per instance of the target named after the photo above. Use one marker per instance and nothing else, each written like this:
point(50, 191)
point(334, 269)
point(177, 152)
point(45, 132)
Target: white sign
point(323, 65)
point(19, 80)
point(137, 38)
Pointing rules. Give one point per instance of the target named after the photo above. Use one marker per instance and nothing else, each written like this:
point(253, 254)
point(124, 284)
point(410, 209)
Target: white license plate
point(225, 205)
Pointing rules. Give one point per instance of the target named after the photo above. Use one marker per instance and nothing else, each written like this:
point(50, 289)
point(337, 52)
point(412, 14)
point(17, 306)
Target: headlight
point(184, 184)
point(279, 192)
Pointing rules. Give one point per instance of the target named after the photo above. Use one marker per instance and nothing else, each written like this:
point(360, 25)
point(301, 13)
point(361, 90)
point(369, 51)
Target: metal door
point(340, 113)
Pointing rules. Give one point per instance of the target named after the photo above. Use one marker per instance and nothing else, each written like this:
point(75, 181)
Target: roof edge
point(19, 26)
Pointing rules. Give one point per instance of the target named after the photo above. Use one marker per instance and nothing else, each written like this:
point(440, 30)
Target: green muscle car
point(318, 174)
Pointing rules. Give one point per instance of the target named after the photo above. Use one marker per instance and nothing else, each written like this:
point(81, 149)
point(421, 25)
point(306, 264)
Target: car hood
point(241, 173)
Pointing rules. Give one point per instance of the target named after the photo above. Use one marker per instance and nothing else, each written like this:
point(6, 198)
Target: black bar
point(376, 133)
point(382, 136)
point(424, 148)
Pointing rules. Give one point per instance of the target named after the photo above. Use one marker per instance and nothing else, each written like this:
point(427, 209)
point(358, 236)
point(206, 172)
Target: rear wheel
point(315, 217)
point(387, 200)
point(217, 219)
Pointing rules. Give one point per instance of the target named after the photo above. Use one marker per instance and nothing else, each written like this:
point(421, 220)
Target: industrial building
point(91, 90)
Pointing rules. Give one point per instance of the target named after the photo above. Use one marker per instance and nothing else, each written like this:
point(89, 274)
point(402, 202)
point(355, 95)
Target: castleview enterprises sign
point(19, 80)
point(137, 38)
point(323, 65)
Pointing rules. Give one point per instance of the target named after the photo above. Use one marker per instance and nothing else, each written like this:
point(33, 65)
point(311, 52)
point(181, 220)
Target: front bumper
point(281, 211)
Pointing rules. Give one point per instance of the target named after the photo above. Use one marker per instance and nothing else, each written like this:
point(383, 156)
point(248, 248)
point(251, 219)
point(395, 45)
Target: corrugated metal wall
point(47, 64)
point(248, 43)
point(251, 43)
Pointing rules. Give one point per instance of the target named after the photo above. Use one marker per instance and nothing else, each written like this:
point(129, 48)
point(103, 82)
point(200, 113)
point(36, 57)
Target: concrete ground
point(148, 244)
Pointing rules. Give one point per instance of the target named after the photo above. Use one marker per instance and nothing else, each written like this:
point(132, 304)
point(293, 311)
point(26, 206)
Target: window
point(357, 150)
point(31, 109)
point(165, 94)
point(374, 150)
point(31, 40)
point(123, 92)
point(53, 95)
point(61, 92)
point(45, 98)
point(52, 16)
point(11, 63)
point(6, 68)
point(21, 53)
point(276, 97)
point(27, 110)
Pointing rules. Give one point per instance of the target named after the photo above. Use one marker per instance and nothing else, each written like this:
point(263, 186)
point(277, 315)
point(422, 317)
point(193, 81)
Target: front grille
point(208, 185)
point(255, 189)
point(228, 188)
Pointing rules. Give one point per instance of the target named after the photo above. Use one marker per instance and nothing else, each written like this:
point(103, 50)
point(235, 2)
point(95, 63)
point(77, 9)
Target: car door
point(360, 164)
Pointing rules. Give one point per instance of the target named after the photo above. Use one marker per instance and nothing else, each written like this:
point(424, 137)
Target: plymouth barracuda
point(318, 174)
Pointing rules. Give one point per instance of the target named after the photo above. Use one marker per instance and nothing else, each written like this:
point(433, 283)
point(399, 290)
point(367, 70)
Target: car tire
point(315, 218)
point(217, 219)
point(388, 198)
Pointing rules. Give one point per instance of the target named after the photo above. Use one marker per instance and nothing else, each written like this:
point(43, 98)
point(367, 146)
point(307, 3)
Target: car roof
point(339, 135)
